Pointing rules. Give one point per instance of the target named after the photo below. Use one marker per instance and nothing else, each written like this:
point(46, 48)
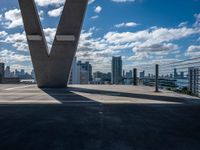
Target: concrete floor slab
point(103, 117)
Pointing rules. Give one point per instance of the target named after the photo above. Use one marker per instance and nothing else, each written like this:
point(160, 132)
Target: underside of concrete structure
point(52, 69)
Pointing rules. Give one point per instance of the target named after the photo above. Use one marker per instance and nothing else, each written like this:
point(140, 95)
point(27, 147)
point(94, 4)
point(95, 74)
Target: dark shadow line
point(182, 100)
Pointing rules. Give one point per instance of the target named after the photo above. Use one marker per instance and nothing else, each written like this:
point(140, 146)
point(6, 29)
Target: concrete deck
point(86, 117)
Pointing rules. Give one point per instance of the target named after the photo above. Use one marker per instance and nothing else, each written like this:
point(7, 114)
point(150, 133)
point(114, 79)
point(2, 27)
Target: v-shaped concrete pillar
point(53, 70)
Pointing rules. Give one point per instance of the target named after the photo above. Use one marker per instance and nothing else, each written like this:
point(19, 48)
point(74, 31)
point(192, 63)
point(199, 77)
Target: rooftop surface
point(97, 117)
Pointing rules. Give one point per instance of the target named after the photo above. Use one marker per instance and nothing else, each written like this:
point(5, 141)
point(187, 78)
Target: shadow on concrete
point(143, 97)
point(96, 126)
point(65, 96)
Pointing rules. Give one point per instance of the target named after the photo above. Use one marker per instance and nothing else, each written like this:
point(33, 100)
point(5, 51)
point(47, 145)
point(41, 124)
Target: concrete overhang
point(67, 38)
point(34, 37)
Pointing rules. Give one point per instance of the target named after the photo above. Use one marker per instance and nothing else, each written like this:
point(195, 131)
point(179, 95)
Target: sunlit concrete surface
point(104, 94)
point(97, 117)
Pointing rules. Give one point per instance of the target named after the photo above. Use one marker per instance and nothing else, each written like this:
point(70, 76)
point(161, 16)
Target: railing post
point(156, 78)
point(134, 76)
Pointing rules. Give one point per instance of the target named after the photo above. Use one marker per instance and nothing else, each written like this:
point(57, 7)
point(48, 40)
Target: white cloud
point(91, 1)
point(98, 9)
point(151, 36)
point(197, 23)
point(3, 34)
point(18, 41)
point(193, 51)
point(123, 1)
point(128, 24)
point(10, 56)
point(43, 3)
point(1, 17)
point(55, 12)
point(13, 18)
point(183, 24)
point(150, 44)
point(49, 34)
point(57, 3)
point(160, 47)
point(94, 17)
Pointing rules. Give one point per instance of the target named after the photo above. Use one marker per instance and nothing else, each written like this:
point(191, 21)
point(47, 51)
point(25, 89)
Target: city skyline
point(143, 32)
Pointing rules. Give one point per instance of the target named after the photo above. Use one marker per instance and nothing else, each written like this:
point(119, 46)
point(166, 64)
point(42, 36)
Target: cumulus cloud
point(183, 24)
point(197, 23)
point(94, 17)
point(57, 3)
point(12, 18)
point(151, 36)
point(10, 56)
point(55, 12)
point(19, 41)
point(193, 51)
point(98, 9)
point(91, 1)
point(127, 24)
point(49, 34)
point(3, 34)
point(43, 3)
point(159, 47)
point(153, 43)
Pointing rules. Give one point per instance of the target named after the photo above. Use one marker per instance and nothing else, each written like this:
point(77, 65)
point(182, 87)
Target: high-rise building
point(129, 75)
point(7, 72)
point(87, 67)
point(22, 72)
point(81, 73)
point(116, 70)
point(175, 74)
point(142, 74)
point(75, 73)
point(2, 65)
point(33, 74)
point(102, 77)
point(182, 75)
point(194, 80)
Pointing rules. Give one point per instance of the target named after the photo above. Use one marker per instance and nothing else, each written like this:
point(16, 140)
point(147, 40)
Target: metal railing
point(180, 76)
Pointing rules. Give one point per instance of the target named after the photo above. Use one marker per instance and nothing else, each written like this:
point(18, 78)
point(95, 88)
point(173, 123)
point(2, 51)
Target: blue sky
point(141, 31)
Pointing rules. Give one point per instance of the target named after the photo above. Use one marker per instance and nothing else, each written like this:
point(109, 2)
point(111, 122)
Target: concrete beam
point(52, 69)
point(69, 38)
point(34, 37)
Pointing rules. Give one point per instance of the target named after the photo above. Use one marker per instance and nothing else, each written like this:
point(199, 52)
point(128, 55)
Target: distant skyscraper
point(22, 72)
point(194, 80)
point(182, 75)
point(2, 65)
point(129, 75)
point(75, 73)
point(142, 74)
point(123, 73)
point(81, 73)
point(87, 67)
point(33, 74)
point(7, 72)
point(116, 70)
point(175, 74)
point(102, 77)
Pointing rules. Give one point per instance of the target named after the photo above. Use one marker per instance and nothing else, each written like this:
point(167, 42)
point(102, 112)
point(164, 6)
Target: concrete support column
point(52, 67)
point(156, 77)
point(134, 76)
